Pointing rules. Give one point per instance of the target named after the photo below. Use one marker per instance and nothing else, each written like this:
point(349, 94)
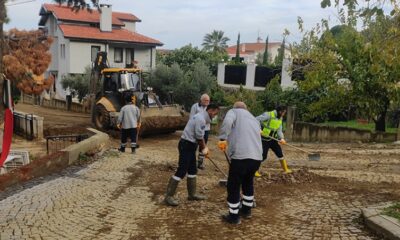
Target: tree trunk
point(380, 123)
point(2, 19)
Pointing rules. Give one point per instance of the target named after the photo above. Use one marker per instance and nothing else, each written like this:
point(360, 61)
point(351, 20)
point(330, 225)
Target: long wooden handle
point(290, 145)
point(215, 165)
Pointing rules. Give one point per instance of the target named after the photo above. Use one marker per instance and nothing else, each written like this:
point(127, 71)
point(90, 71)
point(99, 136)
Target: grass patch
point(393, 211)
point(356, 125)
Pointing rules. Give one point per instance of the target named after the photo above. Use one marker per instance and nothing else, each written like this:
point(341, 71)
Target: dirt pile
point(299, 176)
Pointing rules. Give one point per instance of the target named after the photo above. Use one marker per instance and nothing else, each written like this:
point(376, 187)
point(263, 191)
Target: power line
point(19, 3)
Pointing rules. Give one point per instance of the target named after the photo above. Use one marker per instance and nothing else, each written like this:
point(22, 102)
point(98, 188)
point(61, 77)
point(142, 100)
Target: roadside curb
point(98, 140)
point(55, 162)
point(386, 226)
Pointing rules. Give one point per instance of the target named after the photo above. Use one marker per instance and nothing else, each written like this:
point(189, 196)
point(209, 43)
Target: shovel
point(222, 182)
point(311, 156)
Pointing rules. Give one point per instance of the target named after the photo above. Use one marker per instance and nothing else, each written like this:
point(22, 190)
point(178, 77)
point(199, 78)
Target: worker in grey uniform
point(241, 130)
point(192, 137)
point(129, 121)
point(196, 108)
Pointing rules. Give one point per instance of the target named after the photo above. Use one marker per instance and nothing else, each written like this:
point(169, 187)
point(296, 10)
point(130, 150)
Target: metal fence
point(56, 143)
point(24, 125)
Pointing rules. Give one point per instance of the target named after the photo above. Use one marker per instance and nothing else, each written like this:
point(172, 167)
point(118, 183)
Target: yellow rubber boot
point(285, 167)
point(257, 174)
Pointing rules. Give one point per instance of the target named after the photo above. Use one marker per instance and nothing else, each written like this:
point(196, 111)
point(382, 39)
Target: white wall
point(142, 55)
point(130, 26)
point(81, 56)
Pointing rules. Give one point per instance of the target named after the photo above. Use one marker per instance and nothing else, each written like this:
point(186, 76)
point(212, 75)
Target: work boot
point(133, 149)
point(121, 149)
point(285, 167)
point(231, 218)
point(245, 212)
point(191, 187)
point(200, 161)
point(171, 190)
point(257, 174)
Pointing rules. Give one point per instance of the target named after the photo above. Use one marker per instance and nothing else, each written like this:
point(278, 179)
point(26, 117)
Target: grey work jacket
point(194, 129)
point(129, 116)
point(196, 108)
point(242, 131)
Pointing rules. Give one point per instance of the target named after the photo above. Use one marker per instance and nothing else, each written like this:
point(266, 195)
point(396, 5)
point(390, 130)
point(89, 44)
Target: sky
point(177, 23)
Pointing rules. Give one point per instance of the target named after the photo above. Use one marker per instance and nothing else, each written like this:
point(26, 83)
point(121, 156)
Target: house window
point(62, 51)
point(118, 55)
point(130, 55)
point(95, 50)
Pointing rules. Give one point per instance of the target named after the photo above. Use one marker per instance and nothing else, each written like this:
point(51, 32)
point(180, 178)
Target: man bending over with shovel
point(272, 135)
point(192, 136)
point(242, 131)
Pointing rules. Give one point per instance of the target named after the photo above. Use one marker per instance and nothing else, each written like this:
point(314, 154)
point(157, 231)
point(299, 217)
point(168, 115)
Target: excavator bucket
point(166, 119)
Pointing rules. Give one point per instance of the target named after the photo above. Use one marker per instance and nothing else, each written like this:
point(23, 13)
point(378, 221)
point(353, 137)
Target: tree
point(3, 17)
point(237, 57)
point(281, 54)
point(215, 42)
point(353, 67)
point(265, 56)
point(78, 83)
point(25, 60)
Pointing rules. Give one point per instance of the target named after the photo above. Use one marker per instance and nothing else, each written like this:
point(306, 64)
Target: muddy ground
point(321, 200)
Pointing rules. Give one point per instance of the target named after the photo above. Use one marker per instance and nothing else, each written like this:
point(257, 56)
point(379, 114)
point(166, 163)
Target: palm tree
point(215, 41)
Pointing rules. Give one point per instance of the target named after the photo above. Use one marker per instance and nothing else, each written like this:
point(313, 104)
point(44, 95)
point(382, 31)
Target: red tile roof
point(62, 12)
point(251, 48)
point(118, 35)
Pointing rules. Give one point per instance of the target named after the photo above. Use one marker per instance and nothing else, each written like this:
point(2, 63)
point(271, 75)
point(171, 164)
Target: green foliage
point(272, 95)
point(250, 97)
point(393, 211)
point(185, 57)
point(237, 57)
point(188, 55)
point(78, 83)
point(215, 42)
point(266, 54)
point(281, 54)
point(186, 87)
point(349, 68)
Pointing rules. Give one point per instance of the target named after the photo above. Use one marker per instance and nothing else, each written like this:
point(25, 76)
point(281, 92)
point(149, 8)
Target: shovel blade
point(314, 156)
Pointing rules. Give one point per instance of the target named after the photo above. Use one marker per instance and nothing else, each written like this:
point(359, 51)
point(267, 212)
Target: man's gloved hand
point(223, 145)
point(205, 151)
point(282, 141)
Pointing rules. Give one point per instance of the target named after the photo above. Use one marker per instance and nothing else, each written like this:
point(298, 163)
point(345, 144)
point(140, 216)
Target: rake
point(311, 156)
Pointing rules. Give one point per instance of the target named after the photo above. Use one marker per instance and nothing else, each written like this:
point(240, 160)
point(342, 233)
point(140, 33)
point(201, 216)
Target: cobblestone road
point(118, 197)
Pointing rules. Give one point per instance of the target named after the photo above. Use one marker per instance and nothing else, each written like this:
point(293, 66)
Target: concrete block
point(96, 141)
point(382, 224)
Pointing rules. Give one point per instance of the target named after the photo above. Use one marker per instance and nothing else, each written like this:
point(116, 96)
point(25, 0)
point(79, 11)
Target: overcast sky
point(179, 22)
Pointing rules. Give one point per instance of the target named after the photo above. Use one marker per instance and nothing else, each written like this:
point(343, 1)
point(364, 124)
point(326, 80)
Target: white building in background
point(249, 51)
point(78, 36)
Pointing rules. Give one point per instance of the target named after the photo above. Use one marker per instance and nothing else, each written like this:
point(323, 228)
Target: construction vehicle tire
point(102, 117)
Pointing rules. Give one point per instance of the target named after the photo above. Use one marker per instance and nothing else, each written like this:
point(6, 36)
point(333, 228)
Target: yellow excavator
point(109, 88)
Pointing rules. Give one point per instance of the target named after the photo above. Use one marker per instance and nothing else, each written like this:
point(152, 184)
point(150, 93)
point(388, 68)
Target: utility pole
point(2, 20)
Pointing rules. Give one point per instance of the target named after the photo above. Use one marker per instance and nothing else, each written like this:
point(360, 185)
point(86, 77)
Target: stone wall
point(309, 132)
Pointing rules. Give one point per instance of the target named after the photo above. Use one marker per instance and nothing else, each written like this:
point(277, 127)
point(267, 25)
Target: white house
point(249, 51)
point(78, 36)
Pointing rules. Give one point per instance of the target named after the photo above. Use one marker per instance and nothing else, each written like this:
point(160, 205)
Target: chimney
point(105, 18)
point(243, 47)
